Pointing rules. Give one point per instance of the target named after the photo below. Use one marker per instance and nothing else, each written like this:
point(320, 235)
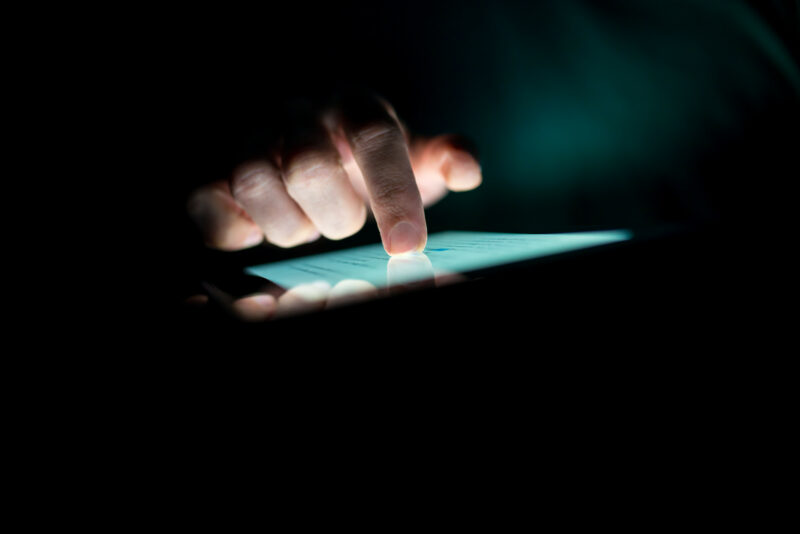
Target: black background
point(217, 78)
point(626, 358)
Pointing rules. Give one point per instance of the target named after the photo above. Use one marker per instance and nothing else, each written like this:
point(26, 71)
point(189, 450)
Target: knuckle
point(252, 183)
point(308, 169)
point(376, 136)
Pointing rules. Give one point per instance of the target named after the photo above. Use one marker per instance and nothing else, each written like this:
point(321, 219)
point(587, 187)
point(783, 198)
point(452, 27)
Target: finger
point(222, 222)
point(351, 291)
point(332, 125)
point(254, 308)
point(258, 304)
point(428, 172)
point(451, 157)
point(304, 298)
point(379, 148)
point(315, 179)
point(258, 187)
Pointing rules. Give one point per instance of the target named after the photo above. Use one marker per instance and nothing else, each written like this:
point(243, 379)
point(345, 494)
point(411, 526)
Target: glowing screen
point(446, 253)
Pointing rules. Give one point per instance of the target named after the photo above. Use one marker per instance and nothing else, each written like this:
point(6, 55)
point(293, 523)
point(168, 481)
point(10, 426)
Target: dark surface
point(683, 295)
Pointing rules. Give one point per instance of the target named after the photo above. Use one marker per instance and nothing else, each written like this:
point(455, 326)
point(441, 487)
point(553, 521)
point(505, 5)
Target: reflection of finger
point(409, 271)
point(258, 187)
point(315, 179)
point(303, 299)
point(221, 221)
point(351, 292)
point(254, 308)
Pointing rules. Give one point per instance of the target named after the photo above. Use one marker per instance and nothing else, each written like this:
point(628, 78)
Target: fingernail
point(255, 307)
point(254, 238)
point(404, 237)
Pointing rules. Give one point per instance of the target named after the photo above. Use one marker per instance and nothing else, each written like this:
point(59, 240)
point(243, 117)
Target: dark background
point(586, 114)
point(662, 362)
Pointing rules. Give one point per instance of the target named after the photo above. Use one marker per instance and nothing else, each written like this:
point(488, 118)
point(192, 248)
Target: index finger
point(380, 150)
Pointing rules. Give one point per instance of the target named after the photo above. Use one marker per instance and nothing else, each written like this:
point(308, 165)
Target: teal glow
point(445, 253)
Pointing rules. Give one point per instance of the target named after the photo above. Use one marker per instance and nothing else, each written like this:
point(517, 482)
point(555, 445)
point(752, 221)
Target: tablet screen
point(446, 253)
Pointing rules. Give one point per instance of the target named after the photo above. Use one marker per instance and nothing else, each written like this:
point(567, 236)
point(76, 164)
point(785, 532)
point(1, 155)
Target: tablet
point(447, 257)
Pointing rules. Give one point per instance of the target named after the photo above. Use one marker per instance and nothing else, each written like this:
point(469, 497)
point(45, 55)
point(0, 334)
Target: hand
point(325, 171)
point(264, 300)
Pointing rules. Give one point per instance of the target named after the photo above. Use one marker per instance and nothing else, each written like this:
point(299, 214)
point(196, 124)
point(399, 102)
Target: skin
point(329, 171)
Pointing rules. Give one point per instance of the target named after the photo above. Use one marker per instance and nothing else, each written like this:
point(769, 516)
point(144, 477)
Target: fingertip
point(290, 237)
point(236, 235)
point(220, 221)
point(255, 237)
point(406, 237)
point(303, 298)
point(461, 171)
point(313, 237)
point(351, 291)
point(255, 308)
